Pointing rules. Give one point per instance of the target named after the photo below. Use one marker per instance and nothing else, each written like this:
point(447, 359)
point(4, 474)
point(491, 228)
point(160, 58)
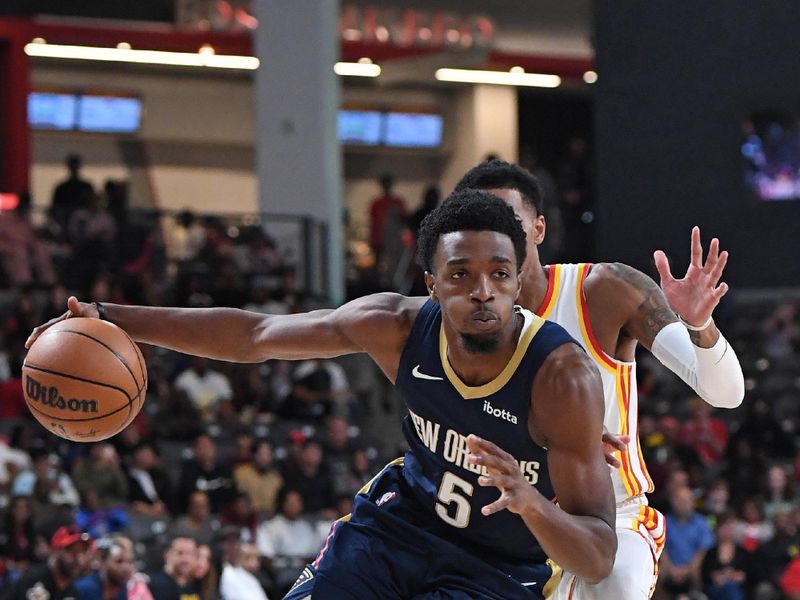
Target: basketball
point(84, 379)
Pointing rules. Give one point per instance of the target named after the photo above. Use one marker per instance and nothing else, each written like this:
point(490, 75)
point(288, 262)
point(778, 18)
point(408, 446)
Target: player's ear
point(430, 285)
point(539, 229)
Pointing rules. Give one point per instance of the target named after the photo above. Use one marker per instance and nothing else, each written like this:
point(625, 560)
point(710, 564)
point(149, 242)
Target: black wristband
point(101, 311)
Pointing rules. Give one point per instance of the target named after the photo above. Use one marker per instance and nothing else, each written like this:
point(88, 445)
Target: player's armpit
point(646, 309)
point(568, 412)
point(377, 324)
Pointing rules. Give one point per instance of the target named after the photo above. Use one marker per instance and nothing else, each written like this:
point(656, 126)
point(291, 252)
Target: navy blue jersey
point(443, 411)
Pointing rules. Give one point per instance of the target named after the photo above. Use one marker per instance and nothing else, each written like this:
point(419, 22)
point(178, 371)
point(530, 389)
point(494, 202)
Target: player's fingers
point(697, 248)
point(496, 506)
point(611, 459)
point(662, 266)
point(37, 331)
point(491, 462)
point(716, 272)
point(486, 447)
point(619, 442)
point(720, 291)
point(713, 255)
point(494, 479)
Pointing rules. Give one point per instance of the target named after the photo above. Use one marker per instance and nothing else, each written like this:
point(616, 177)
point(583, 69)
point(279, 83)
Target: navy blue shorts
point(387, 550)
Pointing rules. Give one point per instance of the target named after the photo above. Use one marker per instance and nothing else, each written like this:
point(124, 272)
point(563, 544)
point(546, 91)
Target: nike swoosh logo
point(415, 372)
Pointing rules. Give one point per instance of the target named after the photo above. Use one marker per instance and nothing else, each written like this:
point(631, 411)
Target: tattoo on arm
point(653, 307)
point(696, 337)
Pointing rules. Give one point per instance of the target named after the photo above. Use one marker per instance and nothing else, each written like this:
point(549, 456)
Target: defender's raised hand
point(695, 297)
point(74, 309)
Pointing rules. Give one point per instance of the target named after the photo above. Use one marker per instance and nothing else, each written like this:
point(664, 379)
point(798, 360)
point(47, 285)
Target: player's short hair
point(502, 175)
point(469, 210)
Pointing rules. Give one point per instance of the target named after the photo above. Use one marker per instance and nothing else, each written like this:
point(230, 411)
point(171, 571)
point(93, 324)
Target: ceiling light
point(590, 77)
point(357, 69)
point(498, 77)
point(154, 57)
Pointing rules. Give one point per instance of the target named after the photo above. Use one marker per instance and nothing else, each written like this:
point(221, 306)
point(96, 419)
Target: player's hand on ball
point(516, 492)
point(74, 309)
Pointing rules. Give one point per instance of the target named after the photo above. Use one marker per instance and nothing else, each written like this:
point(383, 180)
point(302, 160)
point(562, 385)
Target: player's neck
point(535, 281)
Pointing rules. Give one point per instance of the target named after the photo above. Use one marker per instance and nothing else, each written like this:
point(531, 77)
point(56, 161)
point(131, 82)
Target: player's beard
point(480, 343)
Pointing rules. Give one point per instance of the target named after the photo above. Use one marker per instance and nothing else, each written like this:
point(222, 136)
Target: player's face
point(532, 223)
point(476, 283)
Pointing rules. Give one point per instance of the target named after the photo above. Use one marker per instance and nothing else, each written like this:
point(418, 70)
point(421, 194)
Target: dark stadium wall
point(676, 81)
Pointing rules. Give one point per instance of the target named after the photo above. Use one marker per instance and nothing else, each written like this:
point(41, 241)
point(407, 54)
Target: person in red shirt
point(386, 213)
point(706, 435)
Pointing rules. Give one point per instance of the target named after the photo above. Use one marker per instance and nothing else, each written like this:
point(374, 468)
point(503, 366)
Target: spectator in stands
point(24, 257)
point(751, 529)
point(688, 540)
point(196, 523)
point(430, 200)
point(338, 454)
point(288, 540)
point(68, 195)
point(205, 574)
point(97, 520)
point(717, 499)
point(204, 473)
point(91, 232)
point(239, 579)
point(259, 479)
point(185, 238)
point(18, 538)
point(703, 432)
point(387, 216)
point(206, 388)
point(46, 482)
point(116, 577)
point(242, 448)
point(319, 388)
point(13, 459)
point(55, 578)
point(725, 565)
point(779, 492)
point(773, 557)
point(240, 513)
point(102, 473)
point(312, 480)
point(782, 331)
point(176, 580)
point(150, 488)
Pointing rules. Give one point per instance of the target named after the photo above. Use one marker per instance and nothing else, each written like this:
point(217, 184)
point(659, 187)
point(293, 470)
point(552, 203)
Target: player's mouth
point(483, 320)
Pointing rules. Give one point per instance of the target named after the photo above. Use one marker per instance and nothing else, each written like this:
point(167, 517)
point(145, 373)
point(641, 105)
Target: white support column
point(485, 122)
point(298, 159)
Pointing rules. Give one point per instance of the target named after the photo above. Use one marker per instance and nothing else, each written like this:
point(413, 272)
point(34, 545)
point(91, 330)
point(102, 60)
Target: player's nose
point(483, 290)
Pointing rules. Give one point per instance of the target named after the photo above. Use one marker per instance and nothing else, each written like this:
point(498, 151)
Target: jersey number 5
point(449, 495)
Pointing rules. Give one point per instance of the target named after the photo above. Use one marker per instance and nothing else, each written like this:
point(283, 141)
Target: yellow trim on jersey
point(650, 487)
point(551, 303)
point(365, 489)
point(583, 319)
point(623, 430)
point(554, 580)
point(533, 324)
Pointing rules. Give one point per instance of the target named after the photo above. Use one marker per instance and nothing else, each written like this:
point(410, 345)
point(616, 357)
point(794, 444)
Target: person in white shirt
point(239, 581)
point(205, 388)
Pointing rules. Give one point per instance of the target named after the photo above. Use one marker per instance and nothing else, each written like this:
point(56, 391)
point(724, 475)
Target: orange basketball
point(84, 379)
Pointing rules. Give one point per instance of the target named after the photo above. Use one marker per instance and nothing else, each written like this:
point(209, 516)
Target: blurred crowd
point(228, 481)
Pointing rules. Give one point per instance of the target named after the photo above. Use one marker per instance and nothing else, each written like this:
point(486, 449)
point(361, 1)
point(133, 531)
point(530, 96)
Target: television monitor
point(360, 127)
point(111, 114)
point(413, 130)
point(52, 110)
point(771, 150)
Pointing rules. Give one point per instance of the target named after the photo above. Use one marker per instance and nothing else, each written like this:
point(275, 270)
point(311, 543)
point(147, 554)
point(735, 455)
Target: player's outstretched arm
point(567, 417)
point(376, 324)
point(703, 359)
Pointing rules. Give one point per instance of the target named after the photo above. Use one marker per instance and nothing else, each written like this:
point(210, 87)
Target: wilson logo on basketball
point(50, 396)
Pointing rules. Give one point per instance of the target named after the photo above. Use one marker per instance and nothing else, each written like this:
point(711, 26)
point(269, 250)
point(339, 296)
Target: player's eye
point(458, 275)
point(502, 274)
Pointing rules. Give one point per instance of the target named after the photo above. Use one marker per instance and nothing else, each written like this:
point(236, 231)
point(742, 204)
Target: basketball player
point(609, 308)
point(472, 368)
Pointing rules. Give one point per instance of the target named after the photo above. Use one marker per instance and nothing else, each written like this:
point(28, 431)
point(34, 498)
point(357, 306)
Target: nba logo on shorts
point(385, 498)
